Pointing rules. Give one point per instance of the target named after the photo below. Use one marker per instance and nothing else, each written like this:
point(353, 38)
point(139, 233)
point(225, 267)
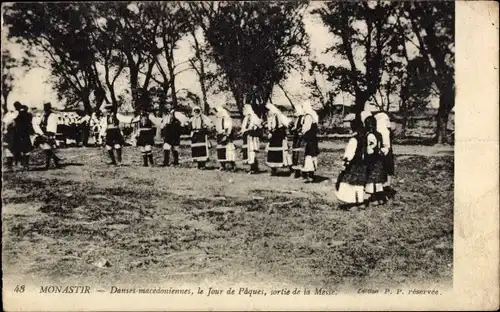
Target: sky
point(32, 88)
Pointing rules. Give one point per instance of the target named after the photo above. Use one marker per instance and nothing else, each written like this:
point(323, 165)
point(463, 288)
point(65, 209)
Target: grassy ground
point(100, 223)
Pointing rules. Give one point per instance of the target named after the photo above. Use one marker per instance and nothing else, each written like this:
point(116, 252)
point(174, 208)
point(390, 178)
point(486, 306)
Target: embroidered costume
point(226, 151)
point(277, 148)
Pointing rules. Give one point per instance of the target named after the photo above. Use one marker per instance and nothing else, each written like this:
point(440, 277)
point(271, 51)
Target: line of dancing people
point(368, 158)
point(301, 160)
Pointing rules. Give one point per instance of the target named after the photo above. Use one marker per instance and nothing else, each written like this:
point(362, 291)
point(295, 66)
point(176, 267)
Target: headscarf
point(299, 111)
point(364, 114)
point(275, 111)
point(196, 108)
point(308, 110)
point(221, 111)
point(253, 118)
point(248, 110)
point(197, 120)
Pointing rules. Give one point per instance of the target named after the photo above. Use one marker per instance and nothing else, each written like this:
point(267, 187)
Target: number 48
point(19, 289)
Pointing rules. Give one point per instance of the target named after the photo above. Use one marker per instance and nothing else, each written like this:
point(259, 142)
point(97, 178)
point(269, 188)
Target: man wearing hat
point(46, 130)
point(111, 131)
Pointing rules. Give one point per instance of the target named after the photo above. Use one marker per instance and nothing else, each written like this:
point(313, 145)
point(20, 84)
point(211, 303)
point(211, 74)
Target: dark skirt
point(312, 148)
point(297, 152)
point(375, 172)
point(199, 146)
point(244, 148)
point(222, 141)
point(172, 135)
point(21, 143)
point(275, 150)
point(146, 137)
point(355, 173)
point(113, 137)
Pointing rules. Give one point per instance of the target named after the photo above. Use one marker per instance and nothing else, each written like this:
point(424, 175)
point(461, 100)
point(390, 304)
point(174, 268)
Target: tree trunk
point(206, 107)
point(134, 78)
point(4, 104)
point(359, 102)
point(201, 73)
point(442, 122)
point(87, 106)
point(171, 74)
point(446, 103)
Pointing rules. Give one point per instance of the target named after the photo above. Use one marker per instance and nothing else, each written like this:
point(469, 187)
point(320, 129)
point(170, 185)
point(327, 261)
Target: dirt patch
point(136, 224)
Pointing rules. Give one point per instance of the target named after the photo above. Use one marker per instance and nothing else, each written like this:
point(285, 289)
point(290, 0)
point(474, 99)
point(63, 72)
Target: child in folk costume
point(250, 127)
point(297, 146)
point(145, 136)
point(200, 125)
point(351, 181)
point(111, 131)
point(376, 175)
point(226, 151)
point(310, 137)
point(46, 129)
point(171, 127)
point(277, 148)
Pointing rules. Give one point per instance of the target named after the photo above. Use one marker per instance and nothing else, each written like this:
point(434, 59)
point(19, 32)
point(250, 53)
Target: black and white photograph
point(251, 150)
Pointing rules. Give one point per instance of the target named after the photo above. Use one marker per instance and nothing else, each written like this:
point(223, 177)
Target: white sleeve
point(386, 137)
point(350, 149)
point(228, 123)
point(124, 119)
point(9, 118)
point(256, 121)
point(155, 120)
point(104, 125)
point(284, 120)
point(244, 123)
point(52, 123)
point(36, 125)
point(207, 121)
point(306, 126)
point(182, 118)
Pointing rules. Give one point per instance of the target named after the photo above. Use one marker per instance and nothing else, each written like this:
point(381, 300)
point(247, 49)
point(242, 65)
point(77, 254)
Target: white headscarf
point(221, 111)
point(273, 110)
point(195, 108)
point(299, 111)
point(308, 110)
point(253, 118)
point(248, 110)
point(364, 114)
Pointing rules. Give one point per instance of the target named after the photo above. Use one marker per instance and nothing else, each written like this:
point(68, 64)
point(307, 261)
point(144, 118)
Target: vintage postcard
point(299, 155)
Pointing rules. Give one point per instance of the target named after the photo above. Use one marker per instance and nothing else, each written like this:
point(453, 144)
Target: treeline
point(248, 49)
